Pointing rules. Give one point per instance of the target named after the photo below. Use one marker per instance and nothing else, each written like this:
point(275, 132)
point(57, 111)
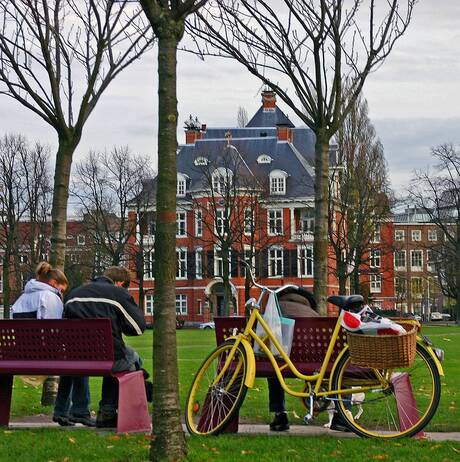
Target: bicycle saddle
point(346, 302)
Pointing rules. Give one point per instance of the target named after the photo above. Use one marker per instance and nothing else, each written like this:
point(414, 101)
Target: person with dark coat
point(293, 303)
point(107, 297)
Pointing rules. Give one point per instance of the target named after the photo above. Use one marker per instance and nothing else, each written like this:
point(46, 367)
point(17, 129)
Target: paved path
point(42, 421)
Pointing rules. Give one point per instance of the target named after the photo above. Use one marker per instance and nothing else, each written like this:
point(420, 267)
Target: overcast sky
point(414, 98)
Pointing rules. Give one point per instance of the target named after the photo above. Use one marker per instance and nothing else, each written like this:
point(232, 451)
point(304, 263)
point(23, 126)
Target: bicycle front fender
point(251, 375)
point(430, 351)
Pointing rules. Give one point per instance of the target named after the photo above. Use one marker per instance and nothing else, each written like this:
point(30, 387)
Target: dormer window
point(278, 182)
point(201, 161)
point(264, 159)
point(221, 180)
point(181, 185)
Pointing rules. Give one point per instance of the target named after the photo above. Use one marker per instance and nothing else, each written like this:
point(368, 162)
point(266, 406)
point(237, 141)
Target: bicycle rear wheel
point(211, 405)
point(400, 403)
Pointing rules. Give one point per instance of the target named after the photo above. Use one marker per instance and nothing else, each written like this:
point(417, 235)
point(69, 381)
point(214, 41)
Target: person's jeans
point(108, 404)
point(275, 395)
point(73, 397)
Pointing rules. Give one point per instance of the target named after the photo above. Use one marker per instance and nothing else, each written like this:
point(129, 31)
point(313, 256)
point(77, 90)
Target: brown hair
point(119, 274)
point(45, 273)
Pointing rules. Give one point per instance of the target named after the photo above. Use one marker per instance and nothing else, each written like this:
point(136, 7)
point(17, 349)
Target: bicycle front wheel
point(215, 397)
point(399, 403)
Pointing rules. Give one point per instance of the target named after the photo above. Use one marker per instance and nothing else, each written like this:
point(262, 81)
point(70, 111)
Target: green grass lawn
point(194, 345)
point(61, 445)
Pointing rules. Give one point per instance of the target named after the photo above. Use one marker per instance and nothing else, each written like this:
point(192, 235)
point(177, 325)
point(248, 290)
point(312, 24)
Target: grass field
point(194, 345)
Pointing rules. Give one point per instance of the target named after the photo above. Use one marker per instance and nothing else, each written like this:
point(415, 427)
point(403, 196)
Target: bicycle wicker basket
point(383, 351)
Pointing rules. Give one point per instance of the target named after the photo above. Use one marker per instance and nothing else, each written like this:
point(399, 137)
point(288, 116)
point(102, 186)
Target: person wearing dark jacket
point(107, 297)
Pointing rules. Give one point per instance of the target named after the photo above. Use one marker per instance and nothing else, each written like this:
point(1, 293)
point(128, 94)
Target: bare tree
point(437, 192)
point(307, 51)
point(359, 196)
point(167, 20)
point(56, 59)
point(105, 184)
point(242, 117)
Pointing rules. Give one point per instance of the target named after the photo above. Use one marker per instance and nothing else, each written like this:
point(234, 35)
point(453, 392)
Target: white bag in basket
point(282, 328)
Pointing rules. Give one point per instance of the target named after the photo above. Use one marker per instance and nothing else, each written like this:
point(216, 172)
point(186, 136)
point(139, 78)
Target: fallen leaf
point(109, 447)
point(455, 450)
point(446, 339)
point(71, 440)
point(66, 459)
point(7, 432)
point(380, 457)
point(246, 452)
point(114, 438)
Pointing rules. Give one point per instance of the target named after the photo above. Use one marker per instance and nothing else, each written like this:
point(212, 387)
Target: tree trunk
point(342, 275)
point(457, 271)
point(6, 285)
point(320, 249)
point(58, 230)
point(168, 440)
point(60, 198)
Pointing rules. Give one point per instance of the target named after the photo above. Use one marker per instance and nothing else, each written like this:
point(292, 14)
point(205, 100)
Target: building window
point(376, 283)
point(148, 304)
point(399, 235)
point(275, 262)
point(200, 307)
point(1, 283)
point(148, 264)
point(305, 258)
point(416, 260)
point(23, 259)
point(81, 239)
point(432, 235)
point(307, 221)
point(275, 222)
point(198, 223)
point(181, 224)
point(400, 287)
point(181, 186)
point(430, 260)
point(199, 263)
point(376, 233)
point(222, 180)
point(181, 304)
point(248, 222)
point(400, 259)
point(278, 182)
point(375, 258)
point(181, 269)
point(219, 262)
point(416, 235)
point(74, 257)
point(221, 222)
point(249, 258)
point(416, 287)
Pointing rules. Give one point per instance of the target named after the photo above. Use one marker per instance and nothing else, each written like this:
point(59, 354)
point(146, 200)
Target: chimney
point(191, 135)
point(268, 100)
point(284, 133)
point(193, 131)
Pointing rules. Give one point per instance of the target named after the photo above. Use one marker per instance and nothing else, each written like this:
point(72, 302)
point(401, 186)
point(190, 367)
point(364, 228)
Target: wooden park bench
point(80, 347)
point(311, 339)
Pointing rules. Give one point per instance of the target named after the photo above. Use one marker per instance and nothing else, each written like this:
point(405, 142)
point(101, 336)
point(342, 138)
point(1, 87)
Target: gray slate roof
point(264, 118)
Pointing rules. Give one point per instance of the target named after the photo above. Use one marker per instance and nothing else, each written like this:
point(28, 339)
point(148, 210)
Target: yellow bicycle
point(379, 403)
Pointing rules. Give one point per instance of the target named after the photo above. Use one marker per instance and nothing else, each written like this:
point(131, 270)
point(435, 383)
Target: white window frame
point(148, 304)
point(273, 221)
point(249, 261)
point(199, 310)
point(81, 239)
point(416, 235)
point(278, 182)
point(220, 222)
point(198, 223)
point(149, 257)
point(181, 186)
point(305, 261)
point(275, 262)
point(248, 221)
point(402, 252)
point(399, 235)
point(181, 224)
point(181, 304)
point(375, 283)
point(432, 235)
point(403, 286)
point(376, 234)
point(181, 265)
point(429, 261)
point(199, 263)
point(222, 179)
point(375, 258)
point(412, 292)
point(219, 262)
point(307, 221)
point(416, 267)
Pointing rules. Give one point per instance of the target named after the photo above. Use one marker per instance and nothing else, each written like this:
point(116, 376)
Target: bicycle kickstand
point(309, 416)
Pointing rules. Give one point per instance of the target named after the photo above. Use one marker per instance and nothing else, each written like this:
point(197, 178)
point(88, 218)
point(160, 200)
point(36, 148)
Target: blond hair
point(45, 273)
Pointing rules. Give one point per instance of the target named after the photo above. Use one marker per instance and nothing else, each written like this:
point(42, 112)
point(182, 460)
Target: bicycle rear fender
point(251, 375)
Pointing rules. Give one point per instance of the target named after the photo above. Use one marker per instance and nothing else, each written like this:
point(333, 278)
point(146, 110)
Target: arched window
point(181, 185)
point(278, 182)
point(222, 179)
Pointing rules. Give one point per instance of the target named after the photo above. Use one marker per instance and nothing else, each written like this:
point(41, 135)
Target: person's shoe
point(63, 421)
point(88, 421)
point(280, 422)
point(104, 420)
point(339, 425)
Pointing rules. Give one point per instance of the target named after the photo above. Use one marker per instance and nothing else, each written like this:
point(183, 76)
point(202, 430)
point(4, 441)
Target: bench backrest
point(57, 345)
point(311, 337)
